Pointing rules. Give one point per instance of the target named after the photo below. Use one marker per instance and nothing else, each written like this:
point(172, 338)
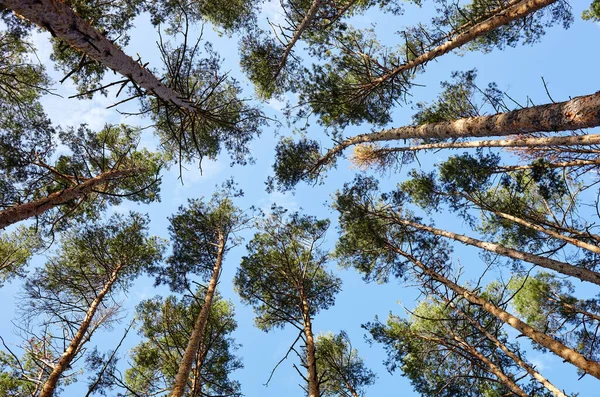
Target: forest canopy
point(329, 198)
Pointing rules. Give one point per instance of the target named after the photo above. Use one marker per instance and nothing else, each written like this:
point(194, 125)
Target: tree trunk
point(530, 370)
point(492, 368)
point(561, 267)
point(194, 343)
point(310, 15)
point(62, 22)
point(580, 112)
point(34, 208)
point(512, 13)
point(311, 358)
point(65, 360)
point(562, 164)
point(570, 355)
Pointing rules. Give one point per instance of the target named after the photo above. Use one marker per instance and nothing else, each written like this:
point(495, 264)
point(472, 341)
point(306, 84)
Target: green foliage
point(196, 231)
point(16, 249)
point(222, 120)
point(166, 326)
point(340, 368)
point(294, 161)
point(284, 270)
point(593, 13)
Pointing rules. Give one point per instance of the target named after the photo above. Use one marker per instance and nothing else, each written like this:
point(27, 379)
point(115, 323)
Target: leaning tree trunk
point(65, 360)
point(185, 366)
point(491, 366)
point(542, 339)
point(580, 112)
point(503, 17)
point(21, 212)
point(62, 22)
point(517, 359)
point(548, 263)
point(311, 357)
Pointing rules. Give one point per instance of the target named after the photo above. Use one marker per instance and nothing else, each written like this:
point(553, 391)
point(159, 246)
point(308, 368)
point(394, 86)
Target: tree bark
point(528, 368)
point(310, 15)
point(570, 355)
point(34, 208)
point(558, 266)
point(503, 17)
point(63, 363)
point(62, 22)
point(191, 351)
point(311, 358)
point(492, 368)
point(580, 112)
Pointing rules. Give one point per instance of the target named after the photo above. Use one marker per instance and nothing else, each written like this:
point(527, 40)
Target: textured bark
point(492, 368)
point(65, 360)
point(62, 22)
point(593, 139)
point(558, 266)
point(311, 358)
point(512, 13)
point(580, 112)
point(191, 351)
point(570, 355)
point(34, 208)
point(310, 15)
point(528, 368)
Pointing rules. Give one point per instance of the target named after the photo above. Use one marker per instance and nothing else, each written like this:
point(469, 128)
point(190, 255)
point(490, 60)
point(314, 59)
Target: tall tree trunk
point(34, 208)
point(562, 164)
point(191, 350)
point(558, 266)
point(306, 21)
point(517, 359)
point(503, 17)
point(311, 357)
point(62, 22)
point(74, 346)
point(580, 112)
point(491, 367)
point(568, 354)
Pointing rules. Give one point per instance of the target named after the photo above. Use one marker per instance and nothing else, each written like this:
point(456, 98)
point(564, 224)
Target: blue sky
point(567, 59)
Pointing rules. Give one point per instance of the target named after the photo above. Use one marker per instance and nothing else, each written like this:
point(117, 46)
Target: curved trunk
point(34, 208)
point(568, 354)
point(558, 266)
point(194, 343)
point(62, 22)
point(580, 112)
point(75, 345)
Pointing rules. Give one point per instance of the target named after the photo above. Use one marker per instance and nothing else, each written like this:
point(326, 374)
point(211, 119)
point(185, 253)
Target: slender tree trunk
point(191, 350)
point(510, 143)
point(578, 243)
point(492, 368)
point(512, 13)
point(561, 267)
point(62, 22)
point(580, 112)
point(306, 21)
point(34, 208)
point(562, 164)
point(74, 346)
point(570, 355)
point(311, 358)
point(528, 368)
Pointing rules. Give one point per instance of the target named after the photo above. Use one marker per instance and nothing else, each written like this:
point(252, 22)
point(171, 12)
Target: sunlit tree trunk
point(65, 360)
point(62, 22)
point(311, 357)
point(34, 208)
point(191, 351)
point(570, 355)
